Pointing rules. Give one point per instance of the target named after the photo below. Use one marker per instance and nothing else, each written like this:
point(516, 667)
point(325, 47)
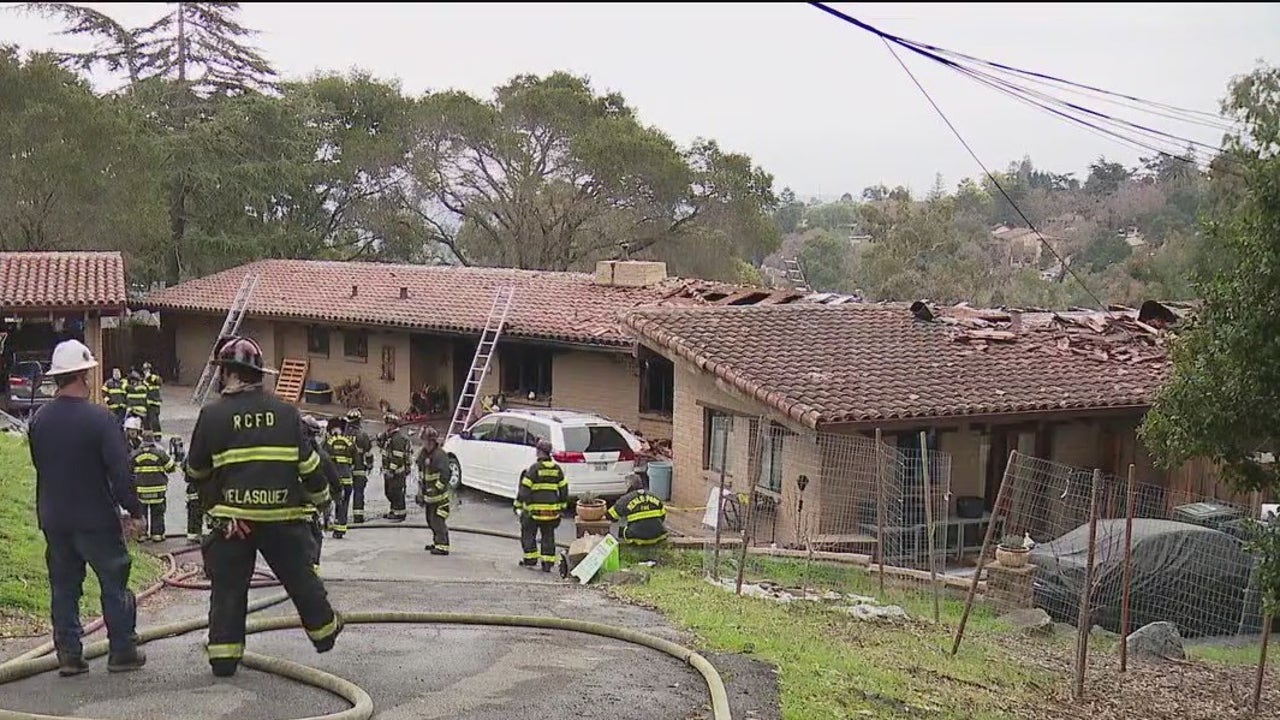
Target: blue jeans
point(66, 554)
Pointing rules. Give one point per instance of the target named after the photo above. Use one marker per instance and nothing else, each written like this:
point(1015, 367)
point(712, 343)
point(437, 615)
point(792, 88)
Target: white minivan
point(597, 454)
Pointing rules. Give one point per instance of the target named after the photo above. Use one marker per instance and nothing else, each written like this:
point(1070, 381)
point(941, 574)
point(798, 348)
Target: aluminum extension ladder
point(484, 355)
point(795, 275)
point(230, 326)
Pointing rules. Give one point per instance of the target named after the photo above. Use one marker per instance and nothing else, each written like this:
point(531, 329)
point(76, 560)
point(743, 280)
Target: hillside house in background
point(47, 297)
point(1069, 387)
point(397, 328)
point(1020, 247)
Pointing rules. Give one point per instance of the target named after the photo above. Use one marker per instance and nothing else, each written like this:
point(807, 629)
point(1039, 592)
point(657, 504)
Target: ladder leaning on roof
point(795, 274)
point(484, 355)
point(230, 326)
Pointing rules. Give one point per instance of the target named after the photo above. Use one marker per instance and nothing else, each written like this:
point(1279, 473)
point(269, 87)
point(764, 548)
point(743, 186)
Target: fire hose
point(41, 659)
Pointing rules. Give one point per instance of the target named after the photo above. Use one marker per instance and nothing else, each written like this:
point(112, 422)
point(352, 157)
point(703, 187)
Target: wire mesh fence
point(808, 514)
point(1097, 551)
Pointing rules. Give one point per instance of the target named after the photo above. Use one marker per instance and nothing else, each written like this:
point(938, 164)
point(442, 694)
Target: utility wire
point(991, 176)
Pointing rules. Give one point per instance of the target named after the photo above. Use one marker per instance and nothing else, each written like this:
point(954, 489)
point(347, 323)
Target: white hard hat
point(71, 356)
point(133, 422)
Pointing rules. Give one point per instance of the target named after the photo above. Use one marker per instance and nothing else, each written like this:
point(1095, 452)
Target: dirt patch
point(1186, 690)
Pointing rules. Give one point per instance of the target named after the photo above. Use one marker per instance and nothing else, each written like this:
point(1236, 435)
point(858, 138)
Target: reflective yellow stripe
point(437, 498)
point(324, 631)
point(226, 651)
point(548, 472)
point(146, 457)
point(613, 513)
point(535, 507)
point(272, 515)
point(308, 466)
point(340, 459)
point(152, 488)
point(193, 496)
point(548, 558)
point(195, 474)
point(552, 487)
point(318, 498)
point(259, 453)
point(653, 541)
point(149, 469)
point(646, 514)
point(531, 555)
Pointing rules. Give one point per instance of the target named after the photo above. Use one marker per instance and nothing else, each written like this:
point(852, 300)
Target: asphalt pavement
point(415, 671)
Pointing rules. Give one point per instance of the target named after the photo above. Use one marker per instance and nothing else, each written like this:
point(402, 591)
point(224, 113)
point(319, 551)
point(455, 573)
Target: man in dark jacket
point(435, 473)
point(543, 495)
point(83, 478)
point(642, 513)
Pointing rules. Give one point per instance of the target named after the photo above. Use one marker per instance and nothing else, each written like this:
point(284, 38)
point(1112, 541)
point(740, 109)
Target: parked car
point(29, 387)
point(1193, 576)
point(596, 453)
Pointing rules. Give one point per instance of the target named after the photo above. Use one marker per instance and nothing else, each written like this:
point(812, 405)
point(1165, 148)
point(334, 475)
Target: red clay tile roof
point(860, 363)
point(561, 306)
point(62, 281)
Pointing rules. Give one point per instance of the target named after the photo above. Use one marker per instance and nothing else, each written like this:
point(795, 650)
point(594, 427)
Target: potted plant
point(1013, 551)
point(590, 507)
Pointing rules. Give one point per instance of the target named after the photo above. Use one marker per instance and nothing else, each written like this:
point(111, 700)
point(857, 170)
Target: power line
point(991, 176)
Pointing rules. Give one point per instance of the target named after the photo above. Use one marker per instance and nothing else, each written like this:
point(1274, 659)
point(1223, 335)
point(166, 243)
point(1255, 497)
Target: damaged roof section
point(866, 364)
point(1119, 333)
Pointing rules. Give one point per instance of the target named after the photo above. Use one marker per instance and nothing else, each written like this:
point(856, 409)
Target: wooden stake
point(1128, 572)
point(928, 525)
point(1084, 621)
point(747, 529)
point(1002, 501)
point(880, 473)
point(1262, 663)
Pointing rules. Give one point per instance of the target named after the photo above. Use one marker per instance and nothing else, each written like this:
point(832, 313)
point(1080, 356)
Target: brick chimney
point(630, 273)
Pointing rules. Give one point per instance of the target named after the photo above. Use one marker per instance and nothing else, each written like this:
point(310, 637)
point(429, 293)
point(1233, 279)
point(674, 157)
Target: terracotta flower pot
point(591, 510)
point(1012, 557)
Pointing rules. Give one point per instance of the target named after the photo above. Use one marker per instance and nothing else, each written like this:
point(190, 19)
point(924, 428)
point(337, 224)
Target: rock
point(1157, 641)
point(1030, 621)
point(632, 576)
point(581, 547)
point(1100, 632)
point(876, 613)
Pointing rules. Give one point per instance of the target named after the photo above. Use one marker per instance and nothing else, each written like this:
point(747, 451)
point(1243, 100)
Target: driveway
point(417, 671)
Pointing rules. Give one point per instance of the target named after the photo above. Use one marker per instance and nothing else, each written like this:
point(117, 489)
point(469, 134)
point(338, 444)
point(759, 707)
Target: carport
point(47, 297)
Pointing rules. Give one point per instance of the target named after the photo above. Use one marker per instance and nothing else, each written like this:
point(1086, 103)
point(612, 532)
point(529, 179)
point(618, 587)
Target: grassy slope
point(24, 581)
point(835, 667)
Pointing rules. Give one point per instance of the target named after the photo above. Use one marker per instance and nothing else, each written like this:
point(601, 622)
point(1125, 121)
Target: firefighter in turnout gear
point(135, 396)
point(395, 467)
point(263, 481)
point(341, 448)
point(312, 428)
point(113, 393)
point(434, 470)
point(543, 495)
point(152, 382)
point(363, 456)
point(195, 513)
point(151, 468)
point(642, 513)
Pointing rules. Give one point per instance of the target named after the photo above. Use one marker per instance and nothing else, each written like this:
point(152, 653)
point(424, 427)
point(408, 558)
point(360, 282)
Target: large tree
point(1223, 399)
point(551, 174)
point(74, 167)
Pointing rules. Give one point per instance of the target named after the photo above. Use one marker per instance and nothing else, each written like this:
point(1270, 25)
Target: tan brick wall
point(605, 383)
point(193, 337)
point(337, 369)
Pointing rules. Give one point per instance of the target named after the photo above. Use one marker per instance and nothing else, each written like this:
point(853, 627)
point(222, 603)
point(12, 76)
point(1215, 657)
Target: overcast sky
point(817, 102)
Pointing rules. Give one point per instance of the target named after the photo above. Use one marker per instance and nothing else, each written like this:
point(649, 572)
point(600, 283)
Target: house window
point(318, 341)
point(355, 345)
point(388, 363)
point(657, 386)
point(716, 427)
point(526, 370)
point(771, 460)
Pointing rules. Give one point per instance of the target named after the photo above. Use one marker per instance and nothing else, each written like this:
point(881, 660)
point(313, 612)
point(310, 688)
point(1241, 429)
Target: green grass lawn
point(24, 581)
point(832, 666)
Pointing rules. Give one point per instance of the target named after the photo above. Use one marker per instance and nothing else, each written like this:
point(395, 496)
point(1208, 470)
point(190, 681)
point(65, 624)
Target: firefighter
point(395, 467)
point(642, 513)
point(263, 480)
point(152, 382)
point(363, 465)
point(135, 396)
point(341, 448)
point(313, 429)
point(151, 468)
point(434, 470)
point(195, 513)
point(113, 391)
point(543, 495)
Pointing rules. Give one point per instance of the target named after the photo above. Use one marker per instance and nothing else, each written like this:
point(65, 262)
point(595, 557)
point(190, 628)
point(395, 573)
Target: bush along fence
point(1095, 550)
